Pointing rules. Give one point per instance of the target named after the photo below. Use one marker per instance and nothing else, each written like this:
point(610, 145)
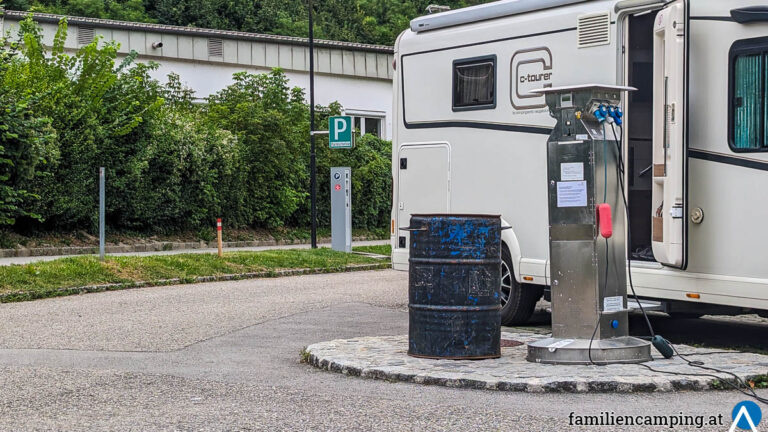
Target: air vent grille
point(594, 30)
point(215, 47)
point(84, 35)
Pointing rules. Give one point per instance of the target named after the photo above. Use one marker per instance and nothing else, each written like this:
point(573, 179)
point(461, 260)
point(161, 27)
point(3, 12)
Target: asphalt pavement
point(226, 356)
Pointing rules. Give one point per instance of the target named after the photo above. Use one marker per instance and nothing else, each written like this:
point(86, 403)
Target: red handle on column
point(605, 220)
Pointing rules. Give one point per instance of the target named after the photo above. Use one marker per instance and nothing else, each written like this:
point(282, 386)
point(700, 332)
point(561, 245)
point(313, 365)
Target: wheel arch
point(509, 241)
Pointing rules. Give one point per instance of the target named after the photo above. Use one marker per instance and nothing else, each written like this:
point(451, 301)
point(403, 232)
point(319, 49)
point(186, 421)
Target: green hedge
point(171, 164)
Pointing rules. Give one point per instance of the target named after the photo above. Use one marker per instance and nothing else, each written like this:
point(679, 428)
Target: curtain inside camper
point(474, 84)
point(750, 81)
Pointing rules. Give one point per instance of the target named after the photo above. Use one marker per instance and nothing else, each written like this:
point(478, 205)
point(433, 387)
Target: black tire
point(518, 301)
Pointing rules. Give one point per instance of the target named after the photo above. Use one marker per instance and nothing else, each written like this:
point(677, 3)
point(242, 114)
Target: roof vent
point(84, 34)
point(215, 47)
point(594, 30)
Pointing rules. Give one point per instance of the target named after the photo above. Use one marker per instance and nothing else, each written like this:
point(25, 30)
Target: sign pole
point(102, 208)
point(312, 159)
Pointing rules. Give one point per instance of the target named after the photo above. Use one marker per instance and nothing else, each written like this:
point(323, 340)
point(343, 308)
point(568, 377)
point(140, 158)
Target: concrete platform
point(385, 358)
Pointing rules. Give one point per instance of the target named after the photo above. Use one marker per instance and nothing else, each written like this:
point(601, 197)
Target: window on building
point(749, 105)
point(368, 125)
point(373, 126)
point(474, 83)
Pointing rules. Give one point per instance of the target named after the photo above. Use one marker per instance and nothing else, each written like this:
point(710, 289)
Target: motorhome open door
point(669, 136)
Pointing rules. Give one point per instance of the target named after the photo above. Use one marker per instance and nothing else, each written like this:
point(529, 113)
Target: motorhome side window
point(749, 105)
point(474, 83)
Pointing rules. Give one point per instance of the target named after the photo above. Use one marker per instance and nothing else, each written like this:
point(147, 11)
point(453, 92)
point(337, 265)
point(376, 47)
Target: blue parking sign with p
point(341, 133)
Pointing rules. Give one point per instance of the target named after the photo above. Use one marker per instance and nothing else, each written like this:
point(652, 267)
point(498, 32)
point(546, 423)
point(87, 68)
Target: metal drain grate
point(509, 343)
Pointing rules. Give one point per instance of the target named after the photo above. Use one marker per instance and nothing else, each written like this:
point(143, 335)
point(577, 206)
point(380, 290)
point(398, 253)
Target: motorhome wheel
point(518, 301)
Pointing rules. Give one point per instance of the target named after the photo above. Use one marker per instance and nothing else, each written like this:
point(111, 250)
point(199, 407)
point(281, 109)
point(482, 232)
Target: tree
point(25, 147)
point(366, 21)
point(271, 125)
point(126, 10)
point(96, 106)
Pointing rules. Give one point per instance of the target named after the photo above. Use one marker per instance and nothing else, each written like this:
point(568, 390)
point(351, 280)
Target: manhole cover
point(509, 343)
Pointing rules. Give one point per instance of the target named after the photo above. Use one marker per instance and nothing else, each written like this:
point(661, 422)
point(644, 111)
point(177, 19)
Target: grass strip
point(87, 274)
point(385, 250)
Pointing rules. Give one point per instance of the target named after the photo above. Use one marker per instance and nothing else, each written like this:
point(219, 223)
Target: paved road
point(27, 260)
point(225, 356)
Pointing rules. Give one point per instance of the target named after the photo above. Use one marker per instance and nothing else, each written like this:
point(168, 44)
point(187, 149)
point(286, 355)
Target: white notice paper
point(613, 304)
point(572, 194)
point(572, 171)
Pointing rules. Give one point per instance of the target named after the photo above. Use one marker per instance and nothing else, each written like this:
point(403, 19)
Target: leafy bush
point(24, 150)
point(370, 161)
point(271, 124)
point(97, 109)
point(26, 147)
point(171, 164)
point(185, 161)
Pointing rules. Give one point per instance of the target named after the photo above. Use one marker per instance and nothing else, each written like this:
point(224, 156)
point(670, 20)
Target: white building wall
point(359, 96)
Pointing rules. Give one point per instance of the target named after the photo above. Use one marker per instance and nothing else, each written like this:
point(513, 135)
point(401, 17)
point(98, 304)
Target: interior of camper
point(639, 154)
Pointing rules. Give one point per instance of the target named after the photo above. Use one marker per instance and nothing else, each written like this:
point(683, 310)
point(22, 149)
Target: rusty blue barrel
point(454, 281)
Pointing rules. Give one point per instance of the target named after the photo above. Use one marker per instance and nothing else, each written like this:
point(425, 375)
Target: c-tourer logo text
point(531, 70)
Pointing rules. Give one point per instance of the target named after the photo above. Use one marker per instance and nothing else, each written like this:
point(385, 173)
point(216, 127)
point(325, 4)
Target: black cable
point(699, 364)
point(605, 198)
point(620, 167)
point(751, 393)
point(599, 313)
point(594, 332)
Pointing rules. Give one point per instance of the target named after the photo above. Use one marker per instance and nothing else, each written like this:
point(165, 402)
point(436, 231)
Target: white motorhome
point(470, 136)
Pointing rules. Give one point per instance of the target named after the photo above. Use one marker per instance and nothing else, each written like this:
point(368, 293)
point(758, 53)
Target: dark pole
point(312, 160)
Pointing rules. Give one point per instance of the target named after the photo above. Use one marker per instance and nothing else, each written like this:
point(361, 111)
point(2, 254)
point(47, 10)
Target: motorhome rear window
point(748, 102)
point(474, 83)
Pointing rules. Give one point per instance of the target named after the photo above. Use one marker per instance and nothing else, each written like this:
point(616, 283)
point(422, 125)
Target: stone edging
point(33, 295)
point(154, 247)
point(384, 358)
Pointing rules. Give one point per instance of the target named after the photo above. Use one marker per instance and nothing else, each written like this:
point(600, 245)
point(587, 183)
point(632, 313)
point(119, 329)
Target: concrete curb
point(384, 358)
point(34, 295)
point(155, 247)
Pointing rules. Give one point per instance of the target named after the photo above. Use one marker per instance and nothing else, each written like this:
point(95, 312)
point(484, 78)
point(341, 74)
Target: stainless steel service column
point(588, 266)
point(341, 209)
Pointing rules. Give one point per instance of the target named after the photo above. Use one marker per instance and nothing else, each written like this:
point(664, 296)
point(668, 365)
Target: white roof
point(484, 12)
